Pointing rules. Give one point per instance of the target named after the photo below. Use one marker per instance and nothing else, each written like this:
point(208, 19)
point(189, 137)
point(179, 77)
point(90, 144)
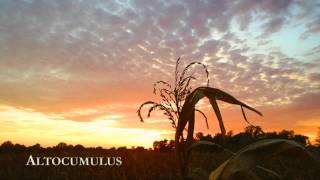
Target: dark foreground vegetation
point(137, 163)
point(156, 163)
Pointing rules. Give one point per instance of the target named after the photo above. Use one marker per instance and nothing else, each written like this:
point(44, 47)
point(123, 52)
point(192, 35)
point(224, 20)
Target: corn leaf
point(242, 164)
point(187, 117)
point(213, 95)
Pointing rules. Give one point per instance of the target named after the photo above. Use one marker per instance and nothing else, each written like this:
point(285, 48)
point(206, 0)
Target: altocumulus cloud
point(60, 57)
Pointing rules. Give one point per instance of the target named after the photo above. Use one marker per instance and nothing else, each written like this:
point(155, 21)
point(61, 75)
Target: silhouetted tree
point(36, 147)
point(286, 134)
point(318, 138)
point(200, 136)
point(19, 147)
point(123, 148)
point(163, 145)
point(140, 149)
point(254, 131)
point(301, 139)
point(270, 135)
point(61, 145)
point(78, 147)
point(249, 135)
point(7, 146)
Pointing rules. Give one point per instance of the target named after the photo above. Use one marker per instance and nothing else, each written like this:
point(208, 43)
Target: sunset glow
point(77, 71)
point(23, 126)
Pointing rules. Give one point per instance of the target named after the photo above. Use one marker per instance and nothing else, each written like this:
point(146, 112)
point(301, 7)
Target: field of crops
point(137, 164)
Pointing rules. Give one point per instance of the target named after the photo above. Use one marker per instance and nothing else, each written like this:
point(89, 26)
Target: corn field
point(179, 105)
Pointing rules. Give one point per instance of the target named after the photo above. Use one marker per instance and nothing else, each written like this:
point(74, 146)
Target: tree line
point(237, 141)
point(231, 141)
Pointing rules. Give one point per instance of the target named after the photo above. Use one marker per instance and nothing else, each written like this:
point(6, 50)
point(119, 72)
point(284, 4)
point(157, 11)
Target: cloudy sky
point(76, 71)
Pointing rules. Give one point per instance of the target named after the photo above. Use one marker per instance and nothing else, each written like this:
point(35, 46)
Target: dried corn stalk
point(187, 117)
point(173, 95)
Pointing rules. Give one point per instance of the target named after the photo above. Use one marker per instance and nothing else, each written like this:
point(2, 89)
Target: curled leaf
point(187, 116)
point(243, 163)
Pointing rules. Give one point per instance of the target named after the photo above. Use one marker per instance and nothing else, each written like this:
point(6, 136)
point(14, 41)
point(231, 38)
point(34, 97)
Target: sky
point(76, 71)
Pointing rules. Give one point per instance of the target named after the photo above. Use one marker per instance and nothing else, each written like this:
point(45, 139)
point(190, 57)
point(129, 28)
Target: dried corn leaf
point(242, 164)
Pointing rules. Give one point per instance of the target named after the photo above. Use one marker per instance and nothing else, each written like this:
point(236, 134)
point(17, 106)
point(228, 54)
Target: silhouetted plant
point(187, 116)
point(179, 105)
point(173, 95)
point(242, 163)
